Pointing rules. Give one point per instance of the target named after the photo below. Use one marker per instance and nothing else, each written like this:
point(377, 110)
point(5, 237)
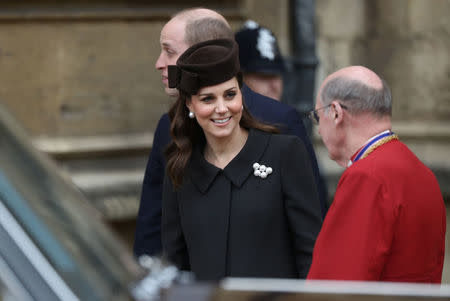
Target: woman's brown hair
point(186, 133)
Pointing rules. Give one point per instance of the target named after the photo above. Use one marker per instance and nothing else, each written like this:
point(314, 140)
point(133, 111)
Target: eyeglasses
point(315, 117)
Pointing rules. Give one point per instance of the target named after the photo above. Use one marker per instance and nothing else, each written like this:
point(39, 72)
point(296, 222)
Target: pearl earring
point(191, 115)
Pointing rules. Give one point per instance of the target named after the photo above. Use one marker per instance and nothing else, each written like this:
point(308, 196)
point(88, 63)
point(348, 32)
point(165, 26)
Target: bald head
point(359, 73)
point(199, 13)
point(360, 89)
point(356, 106)
point(201, 24)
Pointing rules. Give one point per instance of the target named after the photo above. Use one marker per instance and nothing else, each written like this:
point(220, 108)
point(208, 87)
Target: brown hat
point(205, 64)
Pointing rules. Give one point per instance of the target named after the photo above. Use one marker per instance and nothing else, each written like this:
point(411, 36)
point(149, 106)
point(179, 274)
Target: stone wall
point(80, 68)
point(81, 77)
point(405, 41)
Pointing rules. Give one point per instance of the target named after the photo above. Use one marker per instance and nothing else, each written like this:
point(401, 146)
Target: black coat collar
point(202, 173)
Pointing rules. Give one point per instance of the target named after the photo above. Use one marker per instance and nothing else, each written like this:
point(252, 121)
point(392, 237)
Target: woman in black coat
point(238, 200)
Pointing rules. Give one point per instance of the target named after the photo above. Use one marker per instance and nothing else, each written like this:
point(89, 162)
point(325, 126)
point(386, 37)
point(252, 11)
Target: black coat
point(232, 223)
point(148, 224)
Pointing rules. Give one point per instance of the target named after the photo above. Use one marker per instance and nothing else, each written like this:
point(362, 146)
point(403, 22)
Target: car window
point(59, 220)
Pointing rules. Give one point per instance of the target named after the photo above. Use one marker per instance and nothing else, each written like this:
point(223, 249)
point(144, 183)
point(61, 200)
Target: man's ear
point(337, 111)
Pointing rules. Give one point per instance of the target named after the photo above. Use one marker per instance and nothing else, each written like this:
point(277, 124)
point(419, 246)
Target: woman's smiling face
point(218, 109)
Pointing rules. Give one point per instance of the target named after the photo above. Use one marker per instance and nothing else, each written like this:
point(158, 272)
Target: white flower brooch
point(261, 171)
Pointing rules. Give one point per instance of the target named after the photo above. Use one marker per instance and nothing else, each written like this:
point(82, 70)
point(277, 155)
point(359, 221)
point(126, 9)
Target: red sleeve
point(357, 232)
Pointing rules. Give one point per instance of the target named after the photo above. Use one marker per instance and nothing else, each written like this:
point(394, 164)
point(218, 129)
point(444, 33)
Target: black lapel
point(238, 170)
point(203, 173)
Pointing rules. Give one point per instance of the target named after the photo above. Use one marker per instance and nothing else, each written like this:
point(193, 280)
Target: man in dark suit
point(183, 30)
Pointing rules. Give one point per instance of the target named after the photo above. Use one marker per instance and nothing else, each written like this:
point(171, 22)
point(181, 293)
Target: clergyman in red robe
point(387, 221)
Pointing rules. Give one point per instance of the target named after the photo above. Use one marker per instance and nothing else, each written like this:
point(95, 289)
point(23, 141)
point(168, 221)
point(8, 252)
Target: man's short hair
point(205, 29)
point(358, 97)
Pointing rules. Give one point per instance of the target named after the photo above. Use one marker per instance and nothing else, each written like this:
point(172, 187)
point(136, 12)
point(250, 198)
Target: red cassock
point(387, 222)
